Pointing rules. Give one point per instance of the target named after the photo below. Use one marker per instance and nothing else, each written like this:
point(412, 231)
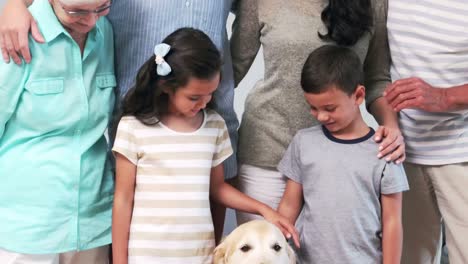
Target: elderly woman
point(56, 185)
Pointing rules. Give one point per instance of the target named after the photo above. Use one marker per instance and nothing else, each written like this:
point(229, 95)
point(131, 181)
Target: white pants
point(263, 184)
point(98, 255)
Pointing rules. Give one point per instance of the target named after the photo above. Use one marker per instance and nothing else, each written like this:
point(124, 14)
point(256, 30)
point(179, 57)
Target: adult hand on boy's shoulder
point(392, 144)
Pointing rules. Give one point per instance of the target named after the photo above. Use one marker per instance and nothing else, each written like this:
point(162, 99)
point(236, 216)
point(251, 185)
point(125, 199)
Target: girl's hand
point(392, 145)
point(288, 229)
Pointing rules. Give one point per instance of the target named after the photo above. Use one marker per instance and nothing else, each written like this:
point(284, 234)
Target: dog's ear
point(291, 254)
point(219, 254)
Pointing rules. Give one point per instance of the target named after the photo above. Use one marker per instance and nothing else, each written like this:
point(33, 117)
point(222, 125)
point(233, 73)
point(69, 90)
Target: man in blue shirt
point(56, 186)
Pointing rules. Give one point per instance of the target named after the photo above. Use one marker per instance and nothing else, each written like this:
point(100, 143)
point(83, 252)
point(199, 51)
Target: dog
point(255, 242)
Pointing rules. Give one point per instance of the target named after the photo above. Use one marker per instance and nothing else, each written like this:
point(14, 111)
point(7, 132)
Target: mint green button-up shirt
point(56, 183)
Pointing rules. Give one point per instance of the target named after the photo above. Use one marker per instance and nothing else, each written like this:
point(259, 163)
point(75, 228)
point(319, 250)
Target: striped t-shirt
point(171, 219)
point(429, 39)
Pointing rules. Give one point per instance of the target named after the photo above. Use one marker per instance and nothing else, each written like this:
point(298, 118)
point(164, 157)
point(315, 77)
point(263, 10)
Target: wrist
point(384, 114)
point(447, 99)
point(456, 97)
point(264, 209)
point(391, 125)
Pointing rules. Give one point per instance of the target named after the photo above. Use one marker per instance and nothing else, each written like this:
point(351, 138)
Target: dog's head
point(255, 242)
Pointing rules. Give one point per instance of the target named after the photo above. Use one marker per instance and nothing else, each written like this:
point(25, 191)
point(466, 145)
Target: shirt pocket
point(44, 87)
point(43, 103)
point(105, 83)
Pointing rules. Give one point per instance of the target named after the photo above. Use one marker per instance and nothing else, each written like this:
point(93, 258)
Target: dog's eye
point(245, 248)
point(276, 247)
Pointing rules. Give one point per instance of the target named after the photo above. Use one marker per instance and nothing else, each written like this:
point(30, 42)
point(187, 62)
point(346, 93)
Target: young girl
point(169, 152)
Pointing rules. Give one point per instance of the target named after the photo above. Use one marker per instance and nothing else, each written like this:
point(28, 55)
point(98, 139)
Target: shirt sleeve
point(290, 164)
point(393, 179)
point(223, 149)
point(245, 39)
point(377, 62)
point(126, 141)
point(12, 82)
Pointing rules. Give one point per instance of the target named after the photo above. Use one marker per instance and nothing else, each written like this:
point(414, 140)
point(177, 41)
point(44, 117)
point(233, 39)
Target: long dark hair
point(347, 20)
point(192, 54)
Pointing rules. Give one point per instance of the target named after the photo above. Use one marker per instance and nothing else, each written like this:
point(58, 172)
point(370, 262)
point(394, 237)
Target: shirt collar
point(50, 25)
point(329, 135)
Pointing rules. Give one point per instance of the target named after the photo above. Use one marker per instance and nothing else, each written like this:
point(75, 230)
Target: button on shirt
point(56, 186)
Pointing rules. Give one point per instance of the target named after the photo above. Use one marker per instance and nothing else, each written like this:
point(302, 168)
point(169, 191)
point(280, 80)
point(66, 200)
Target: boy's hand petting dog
point(286, 227)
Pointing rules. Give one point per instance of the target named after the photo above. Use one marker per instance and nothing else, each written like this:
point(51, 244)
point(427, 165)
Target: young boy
point(56, 186)
point(346, 201)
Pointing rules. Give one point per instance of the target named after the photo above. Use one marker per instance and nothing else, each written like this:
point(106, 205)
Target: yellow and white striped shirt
point(171, 220)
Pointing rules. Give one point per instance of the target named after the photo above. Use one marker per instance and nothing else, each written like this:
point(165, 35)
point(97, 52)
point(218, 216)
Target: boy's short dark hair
point(332, 65)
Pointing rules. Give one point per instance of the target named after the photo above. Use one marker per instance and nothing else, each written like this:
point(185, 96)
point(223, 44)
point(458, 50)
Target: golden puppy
point(255, 242)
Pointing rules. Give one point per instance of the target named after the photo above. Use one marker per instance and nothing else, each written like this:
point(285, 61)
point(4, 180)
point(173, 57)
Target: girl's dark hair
point(192, 55)
point(347, 20)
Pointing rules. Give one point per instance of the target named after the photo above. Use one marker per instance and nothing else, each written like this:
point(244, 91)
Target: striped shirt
point(141, 24)
point(171, 221)
point(429, 39)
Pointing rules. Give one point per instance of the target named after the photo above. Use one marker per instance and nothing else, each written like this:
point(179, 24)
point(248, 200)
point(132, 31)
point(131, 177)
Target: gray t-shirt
point(342, 181)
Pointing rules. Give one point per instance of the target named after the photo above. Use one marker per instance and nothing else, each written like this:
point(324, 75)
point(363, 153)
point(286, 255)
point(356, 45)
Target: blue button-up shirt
point(141, 24)
point(56, 185)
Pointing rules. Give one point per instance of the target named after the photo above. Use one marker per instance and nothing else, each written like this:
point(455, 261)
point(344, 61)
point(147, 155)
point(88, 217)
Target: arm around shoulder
point(376, 79)
point(377, 70)
point(15, 23)
point(245, 40)
point(377, 62)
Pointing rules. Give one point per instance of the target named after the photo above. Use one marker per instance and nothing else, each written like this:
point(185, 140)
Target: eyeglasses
point(83, 13)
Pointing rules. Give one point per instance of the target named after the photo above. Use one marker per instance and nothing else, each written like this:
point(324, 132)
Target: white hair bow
point(160, 51)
